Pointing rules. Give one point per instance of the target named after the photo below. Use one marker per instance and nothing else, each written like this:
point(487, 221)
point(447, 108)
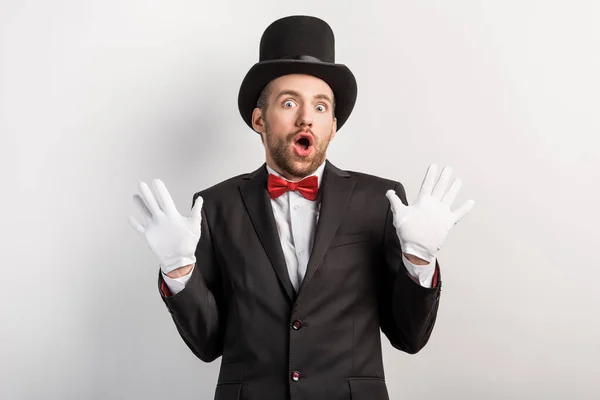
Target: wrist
point(415, 260)
point(181, 271)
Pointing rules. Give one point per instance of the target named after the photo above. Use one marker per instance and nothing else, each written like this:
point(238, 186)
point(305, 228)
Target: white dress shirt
point(296, 219)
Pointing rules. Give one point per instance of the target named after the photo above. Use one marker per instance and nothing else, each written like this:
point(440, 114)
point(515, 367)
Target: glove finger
point(164, 197)
point(428, 181)
point(463, 210)
point(142, 206)
point(398, 208)
point(196, 213)
point(136, 225)
point(442, 183)
point(449, 197)
point(149, 199)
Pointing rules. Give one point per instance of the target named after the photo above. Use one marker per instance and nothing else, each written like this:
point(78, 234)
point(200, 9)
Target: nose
point(305, 118)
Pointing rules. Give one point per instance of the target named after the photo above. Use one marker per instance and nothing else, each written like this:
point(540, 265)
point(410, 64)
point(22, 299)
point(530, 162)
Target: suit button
point(295, 376)
point(297, 324)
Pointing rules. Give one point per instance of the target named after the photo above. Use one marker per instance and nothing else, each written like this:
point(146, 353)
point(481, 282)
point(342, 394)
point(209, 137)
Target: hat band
point(302, 57)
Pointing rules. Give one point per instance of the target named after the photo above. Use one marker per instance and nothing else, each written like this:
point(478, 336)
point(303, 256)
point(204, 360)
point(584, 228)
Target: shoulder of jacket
point(371, 179)
point(223, 187)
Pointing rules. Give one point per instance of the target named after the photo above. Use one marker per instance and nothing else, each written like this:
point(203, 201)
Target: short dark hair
point(263, 99)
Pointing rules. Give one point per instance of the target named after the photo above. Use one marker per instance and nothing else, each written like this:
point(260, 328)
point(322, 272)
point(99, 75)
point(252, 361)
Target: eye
point(288, 104)
point(321, 108)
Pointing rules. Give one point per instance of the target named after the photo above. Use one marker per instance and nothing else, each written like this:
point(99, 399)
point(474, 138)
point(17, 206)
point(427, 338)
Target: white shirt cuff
point(176, 285)
point(423, 274)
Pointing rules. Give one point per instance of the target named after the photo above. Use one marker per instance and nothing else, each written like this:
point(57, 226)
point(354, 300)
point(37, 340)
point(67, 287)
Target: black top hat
point(298, 45)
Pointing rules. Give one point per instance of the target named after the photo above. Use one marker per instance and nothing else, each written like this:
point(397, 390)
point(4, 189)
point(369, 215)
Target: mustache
point(291, 136)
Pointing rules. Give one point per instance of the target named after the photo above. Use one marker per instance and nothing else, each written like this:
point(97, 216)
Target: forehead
point(305, 85)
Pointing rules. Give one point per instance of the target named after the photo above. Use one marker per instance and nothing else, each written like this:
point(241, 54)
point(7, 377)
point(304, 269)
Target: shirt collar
point(318, 173)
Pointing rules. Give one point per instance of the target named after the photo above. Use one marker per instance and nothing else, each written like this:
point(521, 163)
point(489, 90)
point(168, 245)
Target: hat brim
point(337, 76)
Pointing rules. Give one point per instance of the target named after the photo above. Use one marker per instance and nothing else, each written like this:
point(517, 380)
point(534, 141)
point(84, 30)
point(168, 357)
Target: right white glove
point(172, 237)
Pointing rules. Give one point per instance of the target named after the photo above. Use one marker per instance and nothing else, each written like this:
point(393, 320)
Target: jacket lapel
point(334, 192)
point(258, 205)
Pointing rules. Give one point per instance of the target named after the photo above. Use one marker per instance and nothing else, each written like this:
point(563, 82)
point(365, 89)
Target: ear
point(258, 123)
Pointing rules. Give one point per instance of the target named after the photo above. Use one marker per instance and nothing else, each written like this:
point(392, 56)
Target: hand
point(172, 237)
point(423, 226)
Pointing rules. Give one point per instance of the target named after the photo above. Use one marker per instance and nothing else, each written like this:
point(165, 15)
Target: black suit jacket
point(323, 342)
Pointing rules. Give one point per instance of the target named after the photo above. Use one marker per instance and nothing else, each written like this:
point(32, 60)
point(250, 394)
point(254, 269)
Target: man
point(290, 272)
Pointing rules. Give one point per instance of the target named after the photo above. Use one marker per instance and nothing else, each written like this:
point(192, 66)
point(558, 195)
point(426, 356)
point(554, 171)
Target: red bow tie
point(307, 187)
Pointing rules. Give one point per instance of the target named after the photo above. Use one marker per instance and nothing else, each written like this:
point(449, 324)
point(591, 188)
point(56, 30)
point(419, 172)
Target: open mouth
point(303, 144)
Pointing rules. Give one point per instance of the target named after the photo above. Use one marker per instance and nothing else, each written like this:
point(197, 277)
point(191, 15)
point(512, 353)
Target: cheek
point(282, 121)
point(324, 118)
point(325, 124)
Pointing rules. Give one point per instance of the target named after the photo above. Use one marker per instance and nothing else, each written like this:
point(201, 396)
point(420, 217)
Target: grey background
point(96, 96)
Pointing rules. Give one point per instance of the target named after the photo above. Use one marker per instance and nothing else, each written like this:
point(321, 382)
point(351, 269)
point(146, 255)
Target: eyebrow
point(294, 93)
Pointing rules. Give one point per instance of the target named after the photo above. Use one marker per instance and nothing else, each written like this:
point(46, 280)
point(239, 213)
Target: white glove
point(172, 237)
point(423, 226)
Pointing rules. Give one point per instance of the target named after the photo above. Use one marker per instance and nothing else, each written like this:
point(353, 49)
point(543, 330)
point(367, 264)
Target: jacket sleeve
point(199, 309)
point(407, 310)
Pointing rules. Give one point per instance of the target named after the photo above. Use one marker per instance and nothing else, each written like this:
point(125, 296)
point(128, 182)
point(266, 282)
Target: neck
point(290, 176)
point(283, 173)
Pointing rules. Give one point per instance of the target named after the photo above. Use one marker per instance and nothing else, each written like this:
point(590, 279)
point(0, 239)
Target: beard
point(285, 157)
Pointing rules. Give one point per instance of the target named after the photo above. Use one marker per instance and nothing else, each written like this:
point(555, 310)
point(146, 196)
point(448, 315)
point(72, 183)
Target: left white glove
point(423, 227)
